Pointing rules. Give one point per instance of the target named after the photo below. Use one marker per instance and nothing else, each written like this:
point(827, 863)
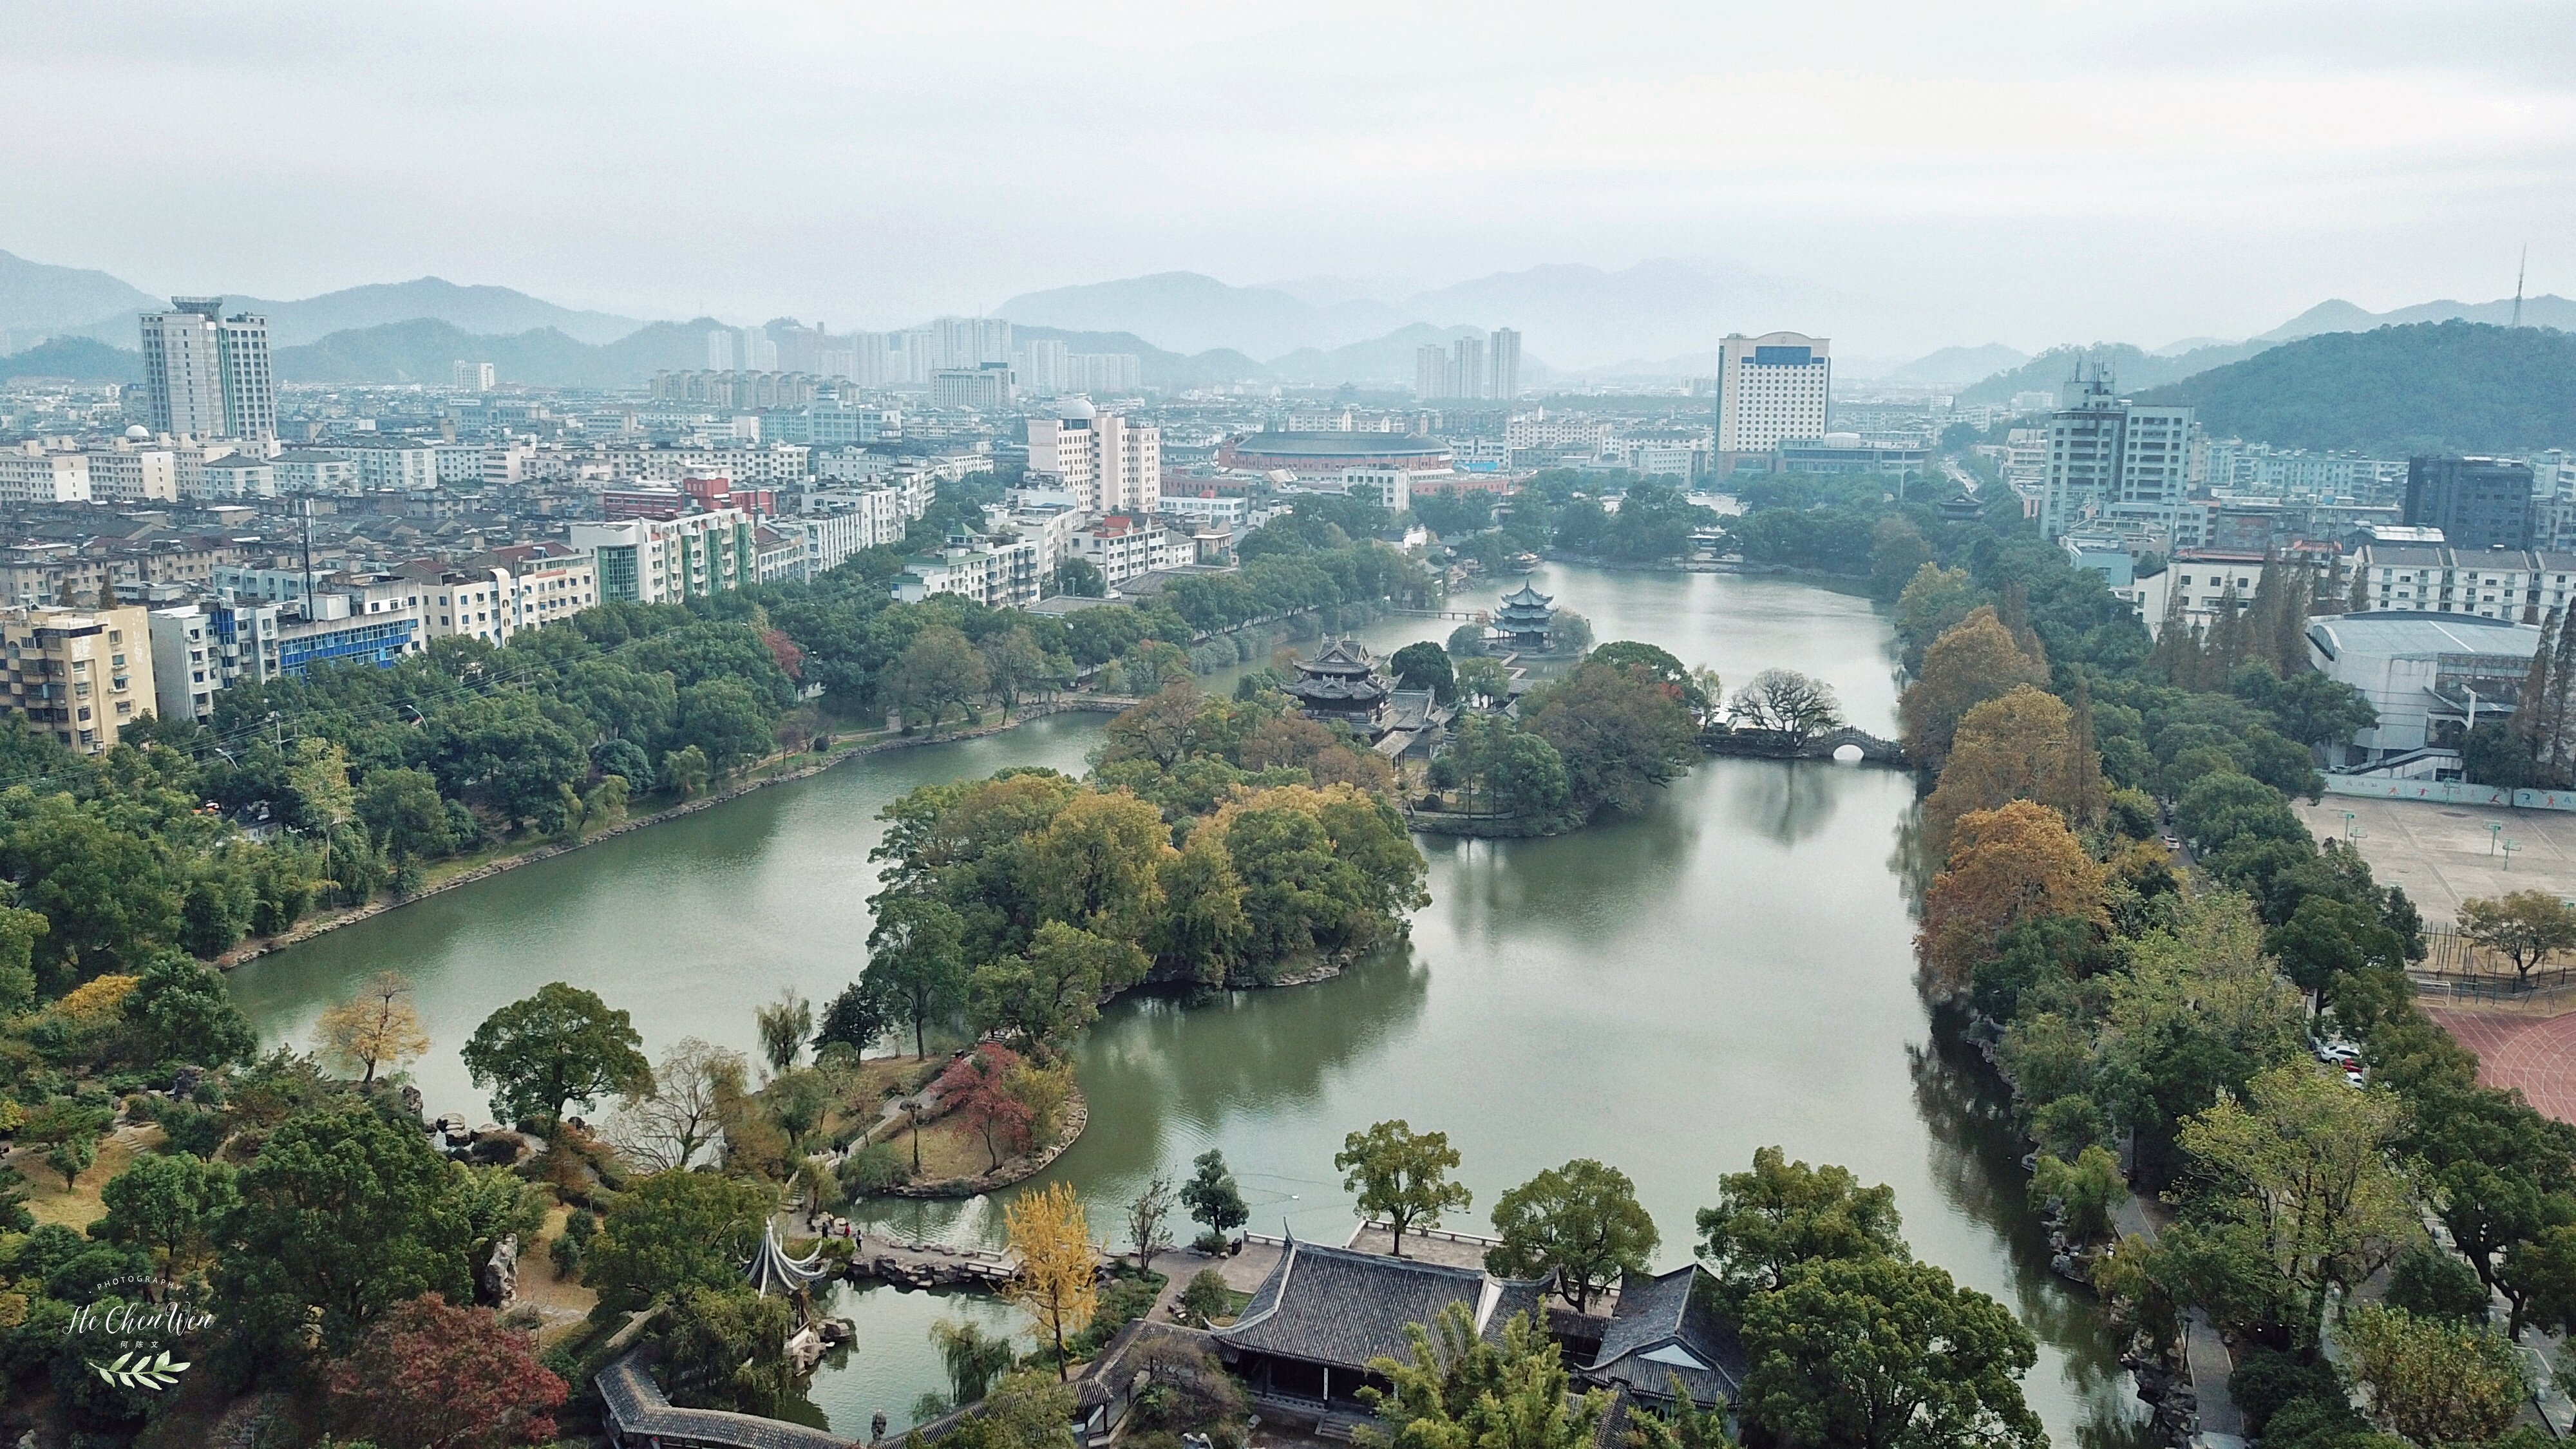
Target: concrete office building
point(206, 375)
point(2113, 461)
point(1769, 388)
point(79, 675)
point(2476, 502)
point(988, 387)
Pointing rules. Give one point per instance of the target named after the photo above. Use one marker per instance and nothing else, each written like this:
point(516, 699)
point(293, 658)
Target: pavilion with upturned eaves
point(1524, 619)
point(1341, 682)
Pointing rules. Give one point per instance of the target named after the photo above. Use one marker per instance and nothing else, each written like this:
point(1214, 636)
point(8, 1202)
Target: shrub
point(1207, 1296)
point(874, 1168)
point(2269, 1379)
point(2431, 1283)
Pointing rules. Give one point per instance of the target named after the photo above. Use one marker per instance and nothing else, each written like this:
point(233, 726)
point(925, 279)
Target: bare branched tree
point(667, 1129)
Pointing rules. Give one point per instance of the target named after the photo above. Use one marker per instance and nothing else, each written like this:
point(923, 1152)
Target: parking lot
point(2445, 854)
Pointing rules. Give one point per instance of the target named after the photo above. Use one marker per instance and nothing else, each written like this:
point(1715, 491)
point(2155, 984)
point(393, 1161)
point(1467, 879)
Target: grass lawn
point(79, 1206)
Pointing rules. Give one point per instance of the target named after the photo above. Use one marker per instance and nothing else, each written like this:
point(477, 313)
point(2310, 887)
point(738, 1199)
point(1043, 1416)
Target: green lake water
point(1730, 969)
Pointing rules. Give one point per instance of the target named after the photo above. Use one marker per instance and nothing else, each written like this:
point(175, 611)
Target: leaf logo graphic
point(141, 1371)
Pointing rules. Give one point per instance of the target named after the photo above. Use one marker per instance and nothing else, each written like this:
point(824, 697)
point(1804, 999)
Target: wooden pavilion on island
point(1524, 619)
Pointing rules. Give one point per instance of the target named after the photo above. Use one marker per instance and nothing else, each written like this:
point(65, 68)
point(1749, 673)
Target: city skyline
point(1999, 173)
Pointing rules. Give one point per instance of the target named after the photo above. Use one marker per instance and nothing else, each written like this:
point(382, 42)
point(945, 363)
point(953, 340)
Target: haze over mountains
point(1656, 320)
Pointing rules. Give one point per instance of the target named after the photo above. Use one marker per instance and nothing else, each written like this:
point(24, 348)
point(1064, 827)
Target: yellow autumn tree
point(1975, 661)
point(1056, 1284)
point(378, 1030)
point(2020, 746)
point(1098, 865)
point(2008, 865)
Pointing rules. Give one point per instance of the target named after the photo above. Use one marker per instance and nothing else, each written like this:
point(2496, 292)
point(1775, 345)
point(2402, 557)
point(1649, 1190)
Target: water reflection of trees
point(1975, 1161)
point(1787, 800)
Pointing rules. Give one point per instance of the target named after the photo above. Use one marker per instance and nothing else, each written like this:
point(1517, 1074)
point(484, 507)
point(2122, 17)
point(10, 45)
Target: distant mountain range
point(1658, 319)
point(1577, 316)
point(37, 297)
point(2338, 315)
point(1955, 366)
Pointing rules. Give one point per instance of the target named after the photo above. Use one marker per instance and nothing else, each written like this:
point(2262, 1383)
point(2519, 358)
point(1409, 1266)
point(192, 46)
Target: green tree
point(939, 672)
point(782, 1025)
point(686, 772)
point(505, 751)
point(1881, 1353)
point(1014, 667)
point(173, 1204)
point(1425, 666)
point(2526, 927)
point(1483, 681)
point(917, 956)
point(2087, 1189)
point(1053, 990)
point(1897, 553)
point(2302, 1197)
point(1211, 1196)
point(1581, 1221)
point(2437, 1383)
point(724, 1347)
point(183, 1013)
point(724, 719)
point(1509, 1391)
point(343, 1214)
point(1621, 733)
point(403, 810)
point(863, 1012)
point(561, 1045)
point(1401, 1176)
point(674, 1232)
point(1782, 1214)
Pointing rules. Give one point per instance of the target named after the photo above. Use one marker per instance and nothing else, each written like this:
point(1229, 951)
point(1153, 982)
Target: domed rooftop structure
point(1075, 407)
point(138, 433)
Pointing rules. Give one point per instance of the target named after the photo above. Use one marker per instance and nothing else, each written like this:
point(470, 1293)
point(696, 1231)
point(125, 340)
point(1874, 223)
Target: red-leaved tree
point(427, 1376)
point(978, 1085)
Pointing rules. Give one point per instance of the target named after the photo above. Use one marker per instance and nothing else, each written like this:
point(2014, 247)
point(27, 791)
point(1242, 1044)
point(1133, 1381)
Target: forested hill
point(2432, 387)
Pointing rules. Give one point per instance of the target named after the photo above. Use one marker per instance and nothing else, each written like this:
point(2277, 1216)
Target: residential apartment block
point(668, 560)
point(79, 675)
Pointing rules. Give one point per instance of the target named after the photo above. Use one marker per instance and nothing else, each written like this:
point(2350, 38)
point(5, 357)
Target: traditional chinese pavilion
point(1342, 683)
point(1524, 619)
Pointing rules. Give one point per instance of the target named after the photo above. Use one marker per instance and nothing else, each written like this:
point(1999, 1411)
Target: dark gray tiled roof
point(1669, 1310)
point(637, 1409)
point(1334, 1306)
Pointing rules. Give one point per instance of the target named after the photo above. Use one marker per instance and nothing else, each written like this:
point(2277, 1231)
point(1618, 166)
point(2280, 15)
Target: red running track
point(2535, 1053)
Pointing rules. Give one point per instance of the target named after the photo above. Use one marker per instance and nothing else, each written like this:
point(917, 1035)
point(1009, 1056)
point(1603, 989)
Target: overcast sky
point(2033, 172)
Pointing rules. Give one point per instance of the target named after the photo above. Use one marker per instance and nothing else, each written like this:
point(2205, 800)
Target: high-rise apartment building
point(1506, 363)
point(2114, 460)
point(1775, 386)
point(476, 376)
point(2477, 502)
point(719, 351)
point(1107, 461)
point(207, 375)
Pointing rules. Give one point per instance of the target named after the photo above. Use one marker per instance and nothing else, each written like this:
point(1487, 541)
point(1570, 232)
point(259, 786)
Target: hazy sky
point(2036, 172)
